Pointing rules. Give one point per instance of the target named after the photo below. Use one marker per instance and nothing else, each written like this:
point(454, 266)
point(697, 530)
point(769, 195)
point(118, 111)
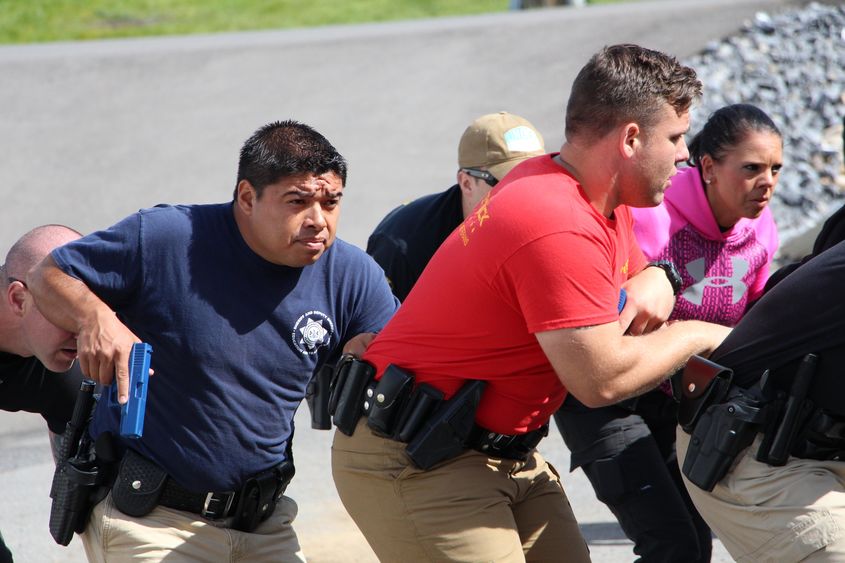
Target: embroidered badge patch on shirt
point(312, 331)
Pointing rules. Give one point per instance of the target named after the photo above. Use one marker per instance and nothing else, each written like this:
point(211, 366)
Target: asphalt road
point(94, 131)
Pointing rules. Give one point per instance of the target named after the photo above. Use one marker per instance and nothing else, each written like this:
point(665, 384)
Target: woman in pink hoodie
point(714, 223)
point(715, 226)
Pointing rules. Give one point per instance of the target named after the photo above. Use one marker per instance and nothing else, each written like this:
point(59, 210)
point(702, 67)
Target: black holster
point(71, 504)
point(317, 397)
point(699, 385)
point(138, 486)
point(434, 429)
point(720, 434)
point(82, 477)
point(789, 422)
point(446, 433)
point(259, 496)
point(348, 387)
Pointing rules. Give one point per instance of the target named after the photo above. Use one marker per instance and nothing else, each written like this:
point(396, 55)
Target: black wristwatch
point(671, 273)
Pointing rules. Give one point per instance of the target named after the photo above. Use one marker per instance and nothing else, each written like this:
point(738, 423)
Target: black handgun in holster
point(80, 477)
point(317, 396)
point(793, 410)
point(445, 434)
point(722, 431)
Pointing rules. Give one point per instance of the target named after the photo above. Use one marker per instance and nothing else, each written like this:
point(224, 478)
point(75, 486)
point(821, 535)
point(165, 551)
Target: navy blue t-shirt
point(235, 338)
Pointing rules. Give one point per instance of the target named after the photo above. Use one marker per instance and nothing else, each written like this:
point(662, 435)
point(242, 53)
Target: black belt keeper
point(507, 446)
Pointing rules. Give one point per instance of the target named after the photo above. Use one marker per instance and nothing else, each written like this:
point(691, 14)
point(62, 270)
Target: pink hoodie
point(722, 272)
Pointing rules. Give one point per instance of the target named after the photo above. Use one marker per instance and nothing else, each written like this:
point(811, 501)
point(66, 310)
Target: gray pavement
point(94, 131)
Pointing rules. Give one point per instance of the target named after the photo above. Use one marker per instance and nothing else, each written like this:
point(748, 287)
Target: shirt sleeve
point(376, 303)
point(637, 260)
point(108, 261)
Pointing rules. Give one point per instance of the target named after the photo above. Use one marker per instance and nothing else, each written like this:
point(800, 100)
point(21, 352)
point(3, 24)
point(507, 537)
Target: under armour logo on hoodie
point(695, 293)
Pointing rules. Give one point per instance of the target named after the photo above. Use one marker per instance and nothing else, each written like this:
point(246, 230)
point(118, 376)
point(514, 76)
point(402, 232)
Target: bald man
point(34, 352)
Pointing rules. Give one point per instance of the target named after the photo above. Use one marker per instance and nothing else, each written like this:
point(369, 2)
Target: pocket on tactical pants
point(365, 452)
point(93, 538)
point(804, 499)
point(779, 514)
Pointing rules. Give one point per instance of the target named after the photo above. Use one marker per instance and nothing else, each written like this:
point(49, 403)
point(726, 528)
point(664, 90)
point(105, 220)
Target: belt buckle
point(211, 500)
point(501, 441)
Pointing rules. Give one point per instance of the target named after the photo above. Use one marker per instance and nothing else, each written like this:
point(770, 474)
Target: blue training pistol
point(132, 412)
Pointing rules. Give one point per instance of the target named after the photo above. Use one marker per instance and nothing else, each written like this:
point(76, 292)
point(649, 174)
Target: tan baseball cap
point(497, 142)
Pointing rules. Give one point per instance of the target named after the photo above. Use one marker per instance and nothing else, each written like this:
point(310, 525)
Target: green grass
point(26, 21)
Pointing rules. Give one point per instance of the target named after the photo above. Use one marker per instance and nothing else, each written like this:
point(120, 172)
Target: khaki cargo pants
point(175, 536)
point(471, 508)
point(779, 514)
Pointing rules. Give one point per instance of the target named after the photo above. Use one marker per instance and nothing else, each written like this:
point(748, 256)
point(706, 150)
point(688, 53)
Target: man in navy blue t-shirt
point(241, 303)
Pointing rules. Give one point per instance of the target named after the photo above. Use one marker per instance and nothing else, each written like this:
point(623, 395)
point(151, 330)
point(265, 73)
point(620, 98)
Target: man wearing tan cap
point(408, 236)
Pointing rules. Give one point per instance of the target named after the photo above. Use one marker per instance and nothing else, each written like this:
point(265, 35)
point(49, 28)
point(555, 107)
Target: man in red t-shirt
point(524, 296)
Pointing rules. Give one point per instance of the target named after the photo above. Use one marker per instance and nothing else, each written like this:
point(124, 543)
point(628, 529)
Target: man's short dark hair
point(285, 148)
point(627, 83)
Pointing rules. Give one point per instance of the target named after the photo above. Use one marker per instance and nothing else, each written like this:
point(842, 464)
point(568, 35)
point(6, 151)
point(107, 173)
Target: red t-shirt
point(534, 256)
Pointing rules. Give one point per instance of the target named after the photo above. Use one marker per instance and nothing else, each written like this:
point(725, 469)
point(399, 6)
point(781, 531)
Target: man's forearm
point(602, 366)
point(653, 357)
point(62, 299)
point(103, 342)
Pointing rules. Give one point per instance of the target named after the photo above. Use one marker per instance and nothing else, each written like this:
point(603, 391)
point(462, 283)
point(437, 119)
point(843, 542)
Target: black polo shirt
point(803, 313)
point(26, 385)
point(407, 238)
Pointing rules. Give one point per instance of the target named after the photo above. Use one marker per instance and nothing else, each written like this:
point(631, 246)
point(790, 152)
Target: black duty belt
point(211, 505)
point(141, 485)
point(508, 446)
point(263, 490)
point(435, 429)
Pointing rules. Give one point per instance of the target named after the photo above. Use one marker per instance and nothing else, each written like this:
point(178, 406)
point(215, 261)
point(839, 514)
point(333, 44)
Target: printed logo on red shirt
point(475, 220)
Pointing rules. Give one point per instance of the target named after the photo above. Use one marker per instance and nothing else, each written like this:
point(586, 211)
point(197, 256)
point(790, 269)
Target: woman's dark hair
point(726, 128)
